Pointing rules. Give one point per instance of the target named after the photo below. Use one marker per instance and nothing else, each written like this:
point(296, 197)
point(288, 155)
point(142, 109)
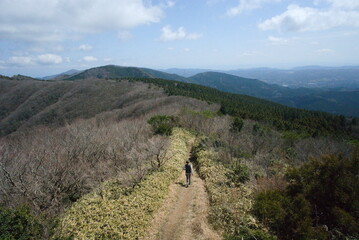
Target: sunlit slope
point(116, 212)
point(27, 103)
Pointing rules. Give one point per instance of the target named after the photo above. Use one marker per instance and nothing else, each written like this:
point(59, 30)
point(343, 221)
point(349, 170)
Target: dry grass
point(101, 216)
point(229, 206)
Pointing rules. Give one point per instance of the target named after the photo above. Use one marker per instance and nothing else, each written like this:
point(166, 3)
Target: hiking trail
point(183, 214)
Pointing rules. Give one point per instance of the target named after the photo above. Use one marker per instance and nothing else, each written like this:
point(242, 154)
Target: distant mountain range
point(346, 77)
point(329, 100)
point(184, 72)
point(332, 101)
point(63, 75)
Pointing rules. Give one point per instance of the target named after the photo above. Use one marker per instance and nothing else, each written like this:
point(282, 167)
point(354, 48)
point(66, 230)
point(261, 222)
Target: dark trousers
point(188, 178)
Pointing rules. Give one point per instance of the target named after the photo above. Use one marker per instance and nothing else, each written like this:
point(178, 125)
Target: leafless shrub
point(157, 151)
point(199, 122)
point(270, 183)
point(48, 169)
point(315, 147)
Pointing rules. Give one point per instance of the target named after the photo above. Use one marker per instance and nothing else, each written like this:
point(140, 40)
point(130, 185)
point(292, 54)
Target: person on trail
point(189, 171)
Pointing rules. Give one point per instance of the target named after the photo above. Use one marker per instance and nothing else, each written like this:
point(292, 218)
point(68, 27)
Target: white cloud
point(20, 61)
point(89, 59)
point(344, 4)
point(57, 20)
point(247, 5)
point(186, 50)
point(277, 41)
point(43, 59)
point(85, 47)
point(169, 35)
point(298, 18)
point(49, 59)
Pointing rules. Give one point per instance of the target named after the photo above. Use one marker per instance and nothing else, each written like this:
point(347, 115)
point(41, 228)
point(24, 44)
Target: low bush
point(163, 124)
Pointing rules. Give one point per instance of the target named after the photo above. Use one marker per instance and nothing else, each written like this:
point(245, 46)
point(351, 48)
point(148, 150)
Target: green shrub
point(237, 124)
point(331, 186)
point(288, 217)
point(298, 222)
point(320, 200)
point(270, 208)
point(163, 124)
point(19, 224)
point(240, 174)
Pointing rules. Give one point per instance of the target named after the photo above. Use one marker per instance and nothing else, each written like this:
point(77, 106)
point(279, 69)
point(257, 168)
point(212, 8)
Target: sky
point(44, 37)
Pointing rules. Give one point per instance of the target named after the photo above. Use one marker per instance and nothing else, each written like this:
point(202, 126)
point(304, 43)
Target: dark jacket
point(188, 168)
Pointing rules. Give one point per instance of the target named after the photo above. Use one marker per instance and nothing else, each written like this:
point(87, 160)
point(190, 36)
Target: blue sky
point(44, 37)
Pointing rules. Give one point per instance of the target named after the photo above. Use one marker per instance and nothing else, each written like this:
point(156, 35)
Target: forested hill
point(230, 83)
point(333, 101)
point(112, 71)
point(282, 117)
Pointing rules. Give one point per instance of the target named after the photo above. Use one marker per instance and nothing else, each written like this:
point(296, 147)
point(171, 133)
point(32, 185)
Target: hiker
point(189, 171)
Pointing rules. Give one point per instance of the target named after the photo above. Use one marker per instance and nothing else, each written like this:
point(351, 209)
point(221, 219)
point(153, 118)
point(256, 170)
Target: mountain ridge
point(336, 102)
point(332, 101)
point(113, 71)
point(302, 76)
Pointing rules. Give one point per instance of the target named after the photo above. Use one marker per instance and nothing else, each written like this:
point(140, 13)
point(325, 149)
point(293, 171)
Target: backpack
point(188, 168)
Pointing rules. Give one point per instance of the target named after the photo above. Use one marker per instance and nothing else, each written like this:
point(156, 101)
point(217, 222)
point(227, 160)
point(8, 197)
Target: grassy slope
point(119, 213)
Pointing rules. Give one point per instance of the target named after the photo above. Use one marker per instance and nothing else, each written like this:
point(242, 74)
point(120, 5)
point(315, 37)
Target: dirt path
point(184, 214)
